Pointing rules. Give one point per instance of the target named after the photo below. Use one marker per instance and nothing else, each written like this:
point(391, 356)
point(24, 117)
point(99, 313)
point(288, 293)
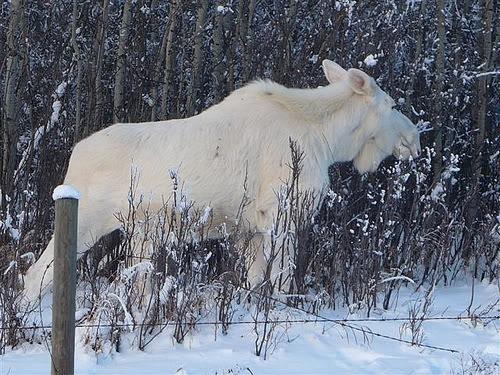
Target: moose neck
point(310, 105)
point(334, 115)
point(339, 136)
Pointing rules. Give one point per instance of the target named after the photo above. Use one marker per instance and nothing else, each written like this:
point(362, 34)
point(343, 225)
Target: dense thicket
point(69, 68)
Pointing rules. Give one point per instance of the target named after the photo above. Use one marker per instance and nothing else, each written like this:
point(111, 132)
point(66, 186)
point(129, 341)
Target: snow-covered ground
point(309, 348)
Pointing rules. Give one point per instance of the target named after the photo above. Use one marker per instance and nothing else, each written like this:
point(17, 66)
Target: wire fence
point(271, 321)
point(344, 322)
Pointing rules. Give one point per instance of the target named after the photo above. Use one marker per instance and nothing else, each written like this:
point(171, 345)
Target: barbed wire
point(361, 329)
point(344, 322)
point(273, 321)
point(317, 319)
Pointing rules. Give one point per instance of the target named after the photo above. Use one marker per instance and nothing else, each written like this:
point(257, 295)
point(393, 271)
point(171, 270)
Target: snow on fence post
point(64, 286)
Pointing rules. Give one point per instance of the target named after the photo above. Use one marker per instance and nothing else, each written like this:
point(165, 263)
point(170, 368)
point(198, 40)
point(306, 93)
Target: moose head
point(382, 129)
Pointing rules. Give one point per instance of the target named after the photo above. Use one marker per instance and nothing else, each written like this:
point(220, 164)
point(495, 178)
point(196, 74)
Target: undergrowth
point(349, 247)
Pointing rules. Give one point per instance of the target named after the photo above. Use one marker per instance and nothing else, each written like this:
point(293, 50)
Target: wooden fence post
point(64, 284)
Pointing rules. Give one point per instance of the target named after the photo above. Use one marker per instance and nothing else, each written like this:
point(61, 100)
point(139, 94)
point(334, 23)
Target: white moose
point(246, 136)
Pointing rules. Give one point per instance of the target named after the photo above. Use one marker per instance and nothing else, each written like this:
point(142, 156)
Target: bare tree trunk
point(169, 58)
point(178, 101)
point(438, 89)
point(138, 109)
point(100, 54)
point(457, 21)
point(418, 52)
point(230, 50)
point(158, 67)
point(247, 59)
point(485, 34)
point(288, 38)
point(94, 119)
point(154, 89)
point(118, 100)
point(12, 101)
point(482, 85)
point(244, 32)
point(218, 37)
point(192, 104)
point(79, 67)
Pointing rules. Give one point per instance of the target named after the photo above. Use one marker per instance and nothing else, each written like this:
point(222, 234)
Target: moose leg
point(37, 275)
point(92, 225)
point(256, 263)
point(271, 262)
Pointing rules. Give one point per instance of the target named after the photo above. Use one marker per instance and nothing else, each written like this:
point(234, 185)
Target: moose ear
point(360, 82)
point(333, 71)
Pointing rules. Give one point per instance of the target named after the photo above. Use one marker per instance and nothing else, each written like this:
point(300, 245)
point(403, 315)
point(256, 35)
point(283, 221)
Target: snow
point(314, 59)
point(145, 9)
point(8, 226)
point(12, 265)
point(484, 74)
point(495, 232)
point(479, 75)
point(224, 9)
point(149, 101)
point(437, 192)
point(42, 130)
point(305, 348)
point(65, 192)
point(29, 257)
point(370, 60)
point(400, 278)
point(56, 108)
point(207, 213)
point(61, 89)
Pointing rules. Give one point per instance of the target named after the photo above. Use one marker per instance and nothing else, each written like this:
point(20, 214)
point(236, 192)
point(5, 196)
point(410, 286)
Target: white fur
point(350, 119)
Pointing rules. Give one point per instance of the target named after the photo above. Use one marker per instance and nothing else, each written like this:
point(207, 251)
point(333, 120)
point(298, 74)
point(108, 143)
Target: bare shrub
point(370, 236)
point(14, 314)
point(476, 364)
point(167, 272)
point(417, 313)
